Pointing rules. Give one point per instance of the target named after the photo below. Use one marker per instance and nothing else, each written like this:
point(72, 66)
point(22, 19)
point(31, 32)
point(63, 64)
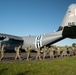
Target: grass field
point(65, 66)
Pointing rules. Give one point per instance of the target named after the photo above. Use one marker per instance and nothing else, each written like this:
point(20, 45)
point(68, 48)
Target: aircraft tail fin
point(69, 18)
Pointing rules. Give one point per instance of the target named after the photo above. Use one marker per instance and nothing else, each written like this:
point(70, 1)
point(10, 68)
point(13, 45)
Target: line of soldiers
point(52, 51)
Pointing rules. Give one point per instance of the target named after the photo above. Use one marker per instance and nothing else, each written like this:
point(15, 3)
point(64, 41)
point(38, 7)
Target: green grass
point(65, 66)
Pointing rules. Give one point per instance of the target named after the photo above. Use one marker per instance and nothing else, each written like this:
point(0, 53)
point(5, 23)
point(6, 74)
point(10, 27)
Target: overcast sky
point(33, 17)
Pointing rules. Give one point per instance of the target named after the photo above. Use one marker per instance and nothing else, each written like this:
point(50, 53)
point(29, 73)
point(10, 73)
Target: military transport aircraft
point(66, 30)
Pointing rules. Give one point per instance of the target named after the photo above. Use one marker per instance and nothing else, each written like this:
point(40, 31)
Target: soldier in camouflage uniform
point(17, 49)
point(64, 53)
point(51, 52)
point(2, 52)
point(55, 51)
point(58, 51)
point(38, 54)
point(44, 52)
point(28, 51)
point(73, 50)
point(62, 49)
point(70, 51)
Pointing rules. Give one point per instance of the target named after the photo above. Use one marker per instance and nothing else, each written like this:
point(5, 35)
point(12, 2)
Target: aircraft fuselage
point(67, 29)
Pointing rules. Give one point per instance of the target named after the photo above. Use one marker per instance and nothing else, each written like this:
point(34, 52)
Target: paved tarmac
point(10, 57)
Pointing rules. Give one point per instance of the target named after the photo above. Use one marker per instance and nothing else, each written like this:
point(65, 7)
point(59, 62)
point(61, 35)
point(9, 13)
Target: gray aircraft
point(66, 30)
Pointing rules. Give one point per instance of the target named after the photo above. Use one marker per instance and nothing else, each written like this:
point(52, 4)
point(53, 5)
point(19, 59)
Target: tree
point(74, 44)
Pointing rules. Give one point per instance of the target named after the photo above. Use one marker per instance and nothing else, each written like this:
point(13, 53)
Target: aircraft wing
point(3, 36)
